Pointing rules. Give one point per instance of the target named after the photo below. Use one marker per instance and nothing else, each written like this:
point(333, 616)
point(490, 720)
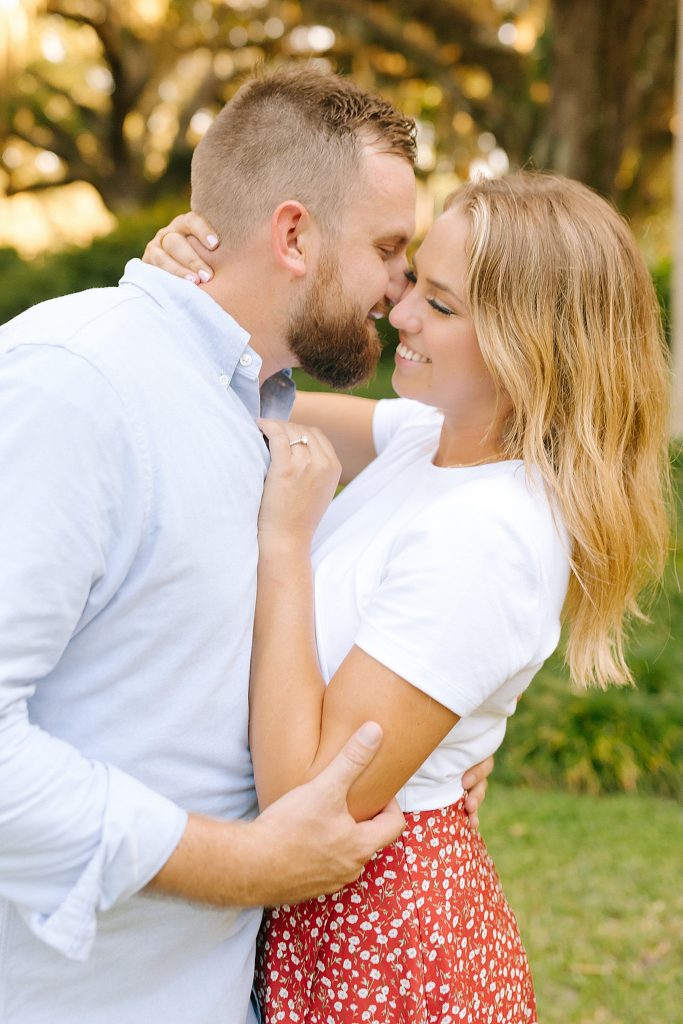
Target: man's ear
point(293, 237)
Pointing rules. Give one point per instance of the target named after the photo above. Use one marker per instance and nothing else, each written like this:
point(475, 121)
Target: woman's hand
point(303, 476)
point(182, 246)
point(475, 782)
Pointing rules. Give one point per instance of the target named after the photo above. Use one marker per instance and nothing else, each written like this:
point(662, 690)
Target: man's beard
point(331, 339)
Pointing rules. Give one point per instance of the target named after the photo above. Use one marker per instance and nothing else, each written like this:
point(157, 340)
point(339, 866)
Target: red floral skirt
point(425, 936)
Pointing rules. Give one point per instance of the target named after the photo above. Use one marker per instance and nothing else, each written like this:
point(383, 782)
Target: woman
point(519, 480)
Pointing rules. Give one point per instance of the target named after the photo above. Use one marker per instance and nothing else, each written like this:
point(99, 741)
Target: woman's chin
point(405, 388)
point(400, 385)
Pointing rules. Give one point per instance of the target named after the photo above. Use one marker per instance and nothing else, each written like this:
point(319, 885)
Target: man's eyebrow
point(438, 285)
point(396, 238)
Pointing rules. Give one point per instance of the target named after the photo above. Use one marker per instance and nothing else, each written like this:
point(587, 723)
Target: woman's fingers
point(301, 481)
point(179, 248)
point(288, 437)
point(185, 256)
point(292, 441)
point(192, 224)
point(174, 253)
point(278, 438)
point(474, 783)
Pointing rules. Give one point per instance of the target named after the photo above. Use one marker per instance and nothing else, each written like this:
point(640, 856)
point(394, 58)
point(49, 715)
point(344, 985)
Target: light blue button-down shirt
point(131, 471)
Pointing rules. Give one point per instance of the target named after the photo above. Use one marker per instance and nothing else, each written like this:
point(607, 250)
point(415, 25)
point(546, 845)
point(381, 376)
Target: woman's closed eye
point(411, 276)
point(440, 308)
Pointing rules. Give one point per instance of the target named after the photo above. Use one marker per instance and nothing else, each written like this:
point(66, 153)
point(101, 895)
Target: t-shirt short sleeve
point(457, 611)
point(391, 414)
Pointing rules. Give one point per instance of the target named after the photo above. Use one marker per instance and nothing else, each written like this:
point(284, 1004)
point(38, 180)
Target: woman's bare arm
point(346, 420)
point(298, 724)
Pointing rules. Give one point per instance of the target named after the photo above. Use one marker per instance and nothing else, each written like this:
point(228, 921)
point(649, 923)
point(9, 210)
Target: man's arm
point(304, 844)
point(79, 835)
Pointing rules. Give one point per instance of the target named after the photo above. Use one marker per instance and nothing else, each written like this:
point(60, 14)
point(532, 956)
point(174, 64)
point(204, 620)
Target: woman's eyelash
point(443, 310)
point(439, 308)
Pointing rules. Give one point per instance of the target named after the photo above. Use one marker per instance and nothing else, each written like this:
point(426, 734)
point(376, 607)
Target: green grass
point(595, 884)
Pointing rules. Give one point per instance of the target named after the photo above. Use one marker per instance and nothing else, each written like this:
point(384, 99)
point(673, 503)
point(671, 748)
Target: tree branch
point(41, 186)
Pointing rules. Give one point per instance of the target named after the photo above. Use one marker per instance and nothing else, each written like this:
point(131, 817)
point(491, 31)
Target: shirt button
point(224, 380)
point(245, 360)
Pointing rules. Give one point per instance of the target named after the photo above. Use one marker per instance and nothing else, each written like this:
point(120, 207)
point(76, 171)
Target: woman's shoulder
point(394, 417)
point(501, 508)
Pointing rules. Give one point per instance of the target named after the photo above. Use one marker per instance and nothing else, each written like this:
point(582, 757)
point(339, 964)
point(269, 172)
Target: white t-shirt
point(452, 578)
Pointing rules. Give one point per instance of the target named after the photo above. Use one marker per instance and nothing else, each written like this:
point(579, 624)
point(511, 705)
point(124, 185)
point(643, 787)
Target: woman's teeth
point(407, 353)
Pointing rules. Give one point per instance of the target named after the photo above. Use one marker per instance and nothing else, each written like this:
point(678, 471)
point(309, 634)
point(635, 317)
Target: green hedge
point(661, 275)
point(99, 265)
point(621, 739)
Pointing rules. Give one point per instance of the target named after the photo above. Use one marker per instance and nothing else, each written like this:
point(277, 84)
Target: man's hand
point(474, 783)
point(303, 845)
point(316, 846)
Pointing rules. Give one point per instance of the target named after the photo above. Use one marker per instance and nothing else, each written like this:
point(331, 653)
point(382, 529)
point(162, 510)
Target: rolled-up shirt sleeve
point(76, 835)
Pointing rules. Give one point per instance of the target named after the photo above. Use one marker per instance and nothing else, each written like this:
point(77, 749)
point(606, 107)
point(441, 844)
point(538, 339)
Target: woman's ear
point(293, 237)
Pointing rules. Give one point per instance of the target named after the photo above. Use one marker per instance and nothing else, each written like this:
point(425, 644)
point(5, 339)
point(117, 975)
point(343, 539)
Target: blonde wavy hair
point(570, 328)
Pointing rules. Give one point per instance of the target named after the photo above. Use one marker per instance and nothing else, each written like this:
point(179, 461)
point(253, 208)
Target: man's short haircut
point(296, 133)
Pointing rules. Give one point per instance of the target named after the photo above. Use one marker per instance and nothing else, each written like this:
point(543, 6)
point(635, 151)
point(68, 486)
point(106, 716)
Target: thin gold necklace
point(471, 465)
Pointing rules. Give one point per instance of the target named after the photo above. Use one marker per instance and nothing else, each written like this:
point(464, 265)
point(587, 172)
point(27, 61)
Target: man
point(132, 471)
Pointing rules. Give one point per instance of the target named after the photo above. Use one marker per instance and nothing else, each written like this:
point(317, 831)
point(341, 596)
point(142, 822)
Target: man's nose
point(397, 280)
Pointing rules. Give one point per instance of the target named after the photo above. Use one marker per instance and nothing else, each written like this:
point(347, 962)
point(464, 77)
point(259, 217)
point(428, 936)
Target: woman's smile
point(407, 355)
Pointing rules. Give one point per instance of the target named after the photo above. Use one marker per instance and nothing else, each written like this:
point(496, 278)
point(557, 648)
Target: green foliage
point(617, 740)
point(98, 266)
point(620, 739)
point(661, 274)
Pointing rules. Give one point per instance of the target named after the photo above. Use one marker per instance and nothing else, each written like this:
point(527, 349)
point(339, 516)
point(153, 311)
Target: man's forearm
point(218, 863)
point(303, 845)
point(258, 863)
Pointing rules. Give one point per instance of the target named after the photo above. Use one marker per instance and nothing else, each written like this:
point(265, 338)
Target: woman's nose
point(404, 316)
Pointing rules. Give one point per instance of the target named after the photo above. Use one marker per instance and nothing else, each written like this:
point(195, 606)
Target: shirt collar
point(224, 343)
point(212, 329)
point(277, 396)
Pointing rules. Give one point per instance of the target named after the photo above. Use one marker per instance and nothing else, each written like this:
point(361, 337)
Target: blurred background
point(101, 104)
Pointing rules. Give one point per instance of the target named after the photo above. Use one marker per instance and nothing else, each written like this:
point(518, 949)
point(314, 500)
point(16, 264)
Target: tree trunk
point(599, 79)
point(677, 272)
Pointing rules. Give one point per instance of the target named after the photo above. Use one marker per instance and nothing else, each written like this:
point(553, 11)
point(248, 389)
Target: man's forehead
point(388, 195)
